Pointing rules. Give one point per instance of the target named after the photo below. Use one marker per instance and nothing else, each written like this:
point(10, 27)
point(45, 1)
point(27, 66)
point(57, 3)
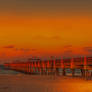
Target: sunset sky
point(45, 28)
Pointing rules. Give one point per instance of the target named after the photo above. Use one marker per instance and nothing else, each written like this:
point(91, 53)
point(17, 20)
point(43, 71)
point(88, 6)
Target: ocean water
point(11, 72)
point(11, 81)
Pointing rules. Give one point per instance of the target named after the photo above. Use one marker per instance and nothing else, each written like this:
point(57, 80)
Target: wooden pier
point(54, 67)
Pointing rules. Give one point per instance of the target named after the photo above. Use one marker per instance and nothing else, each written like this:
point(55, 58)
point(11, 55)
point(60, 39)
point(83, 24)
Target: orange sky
point(45, 36)
point(45, 28)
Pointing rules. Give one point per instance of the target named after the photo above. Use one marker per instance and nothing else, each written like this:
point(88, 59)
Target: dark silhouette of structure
point(37, 66)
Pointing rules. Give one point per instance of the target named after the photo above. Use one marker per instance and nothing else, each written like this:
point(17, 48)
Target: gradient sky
point(45, 28)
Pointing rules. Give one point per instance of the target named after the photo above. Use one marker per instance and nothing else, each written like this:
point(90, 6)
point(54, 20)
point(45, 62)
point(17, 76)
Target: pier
point(55, 67)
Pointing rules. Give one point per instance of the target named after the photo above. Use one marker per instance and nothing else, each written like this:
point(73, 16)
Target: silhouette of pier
point(54, 67)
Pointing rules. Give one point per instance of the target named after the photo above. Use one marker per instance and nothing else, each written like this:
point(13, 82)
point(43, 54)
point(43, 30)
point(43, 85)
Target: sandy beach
point(30, 83)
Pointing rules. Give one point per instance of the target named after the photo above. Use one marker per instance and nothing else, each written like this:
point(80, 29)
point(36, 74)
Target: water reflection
point(19, 82)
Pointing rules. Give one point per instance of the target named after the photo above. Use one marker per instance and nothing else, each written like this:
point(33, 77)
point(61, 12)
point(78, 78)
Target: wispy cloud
point(55, 37)
point(22, 49)
point(9, 47)
point(25, 49)
point(33, 49)
point(68, 51)
point(68, 46)
point(88, 49)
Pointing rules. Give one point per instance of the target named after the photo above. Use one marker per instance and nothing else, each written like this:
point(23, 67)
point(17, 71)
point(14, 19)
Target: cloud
point(25, 49)
point(46, 37)
point(68, 51)
point(56, 37)
point(68, 46)
point(33, 49)
point(9, 46)
point(22, 49)
point(88, 49)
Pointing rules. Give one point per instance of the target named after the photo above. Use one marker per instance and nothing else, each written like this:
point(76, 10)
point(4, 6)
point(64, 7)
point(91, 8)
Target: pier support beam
point(57, 71)
point(63, 72)
point(63, 67)
point(72, 67)
point(85, 72)
point(73, 72)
